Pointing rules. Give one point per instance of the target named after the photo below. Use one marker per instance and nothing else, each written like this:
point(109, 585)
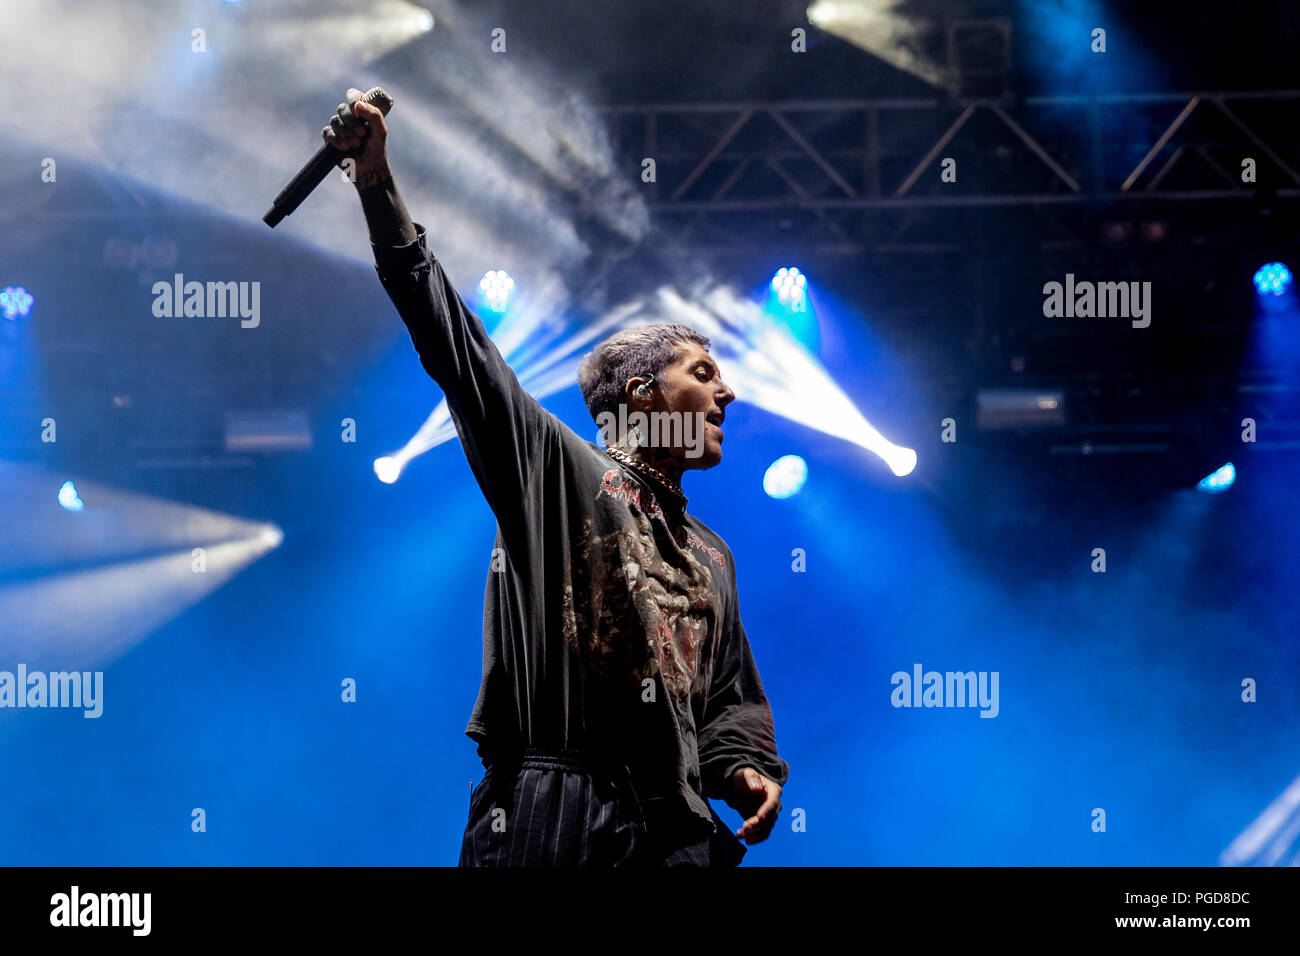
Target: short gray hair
point(632, 353)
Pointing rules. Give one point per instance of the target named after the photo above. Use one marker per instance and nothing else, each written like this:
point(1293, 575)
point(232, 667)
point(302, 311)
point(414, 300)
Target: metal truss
point(829, 161)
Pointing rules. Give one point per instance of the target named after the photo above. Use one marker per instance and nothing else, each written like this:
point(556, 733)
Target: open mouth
point(715, 419)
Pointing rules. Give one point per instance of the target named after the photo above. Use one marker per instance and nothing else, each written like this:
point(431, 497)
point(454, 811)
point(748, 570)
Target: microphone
point(318, 167)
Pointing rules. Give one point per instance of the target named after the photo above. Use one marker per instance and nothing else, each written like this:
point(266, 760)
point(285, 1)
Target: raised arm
point(501, 426)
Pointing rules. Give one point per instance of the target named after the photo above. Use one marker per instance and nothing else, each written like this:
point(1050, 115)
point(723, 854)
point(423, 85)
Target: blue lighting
point(785, 476)
point(15, 301)
point(1219, 481)
point(788, 305)
point(1272, 278)
point(69, 498)
point(790, 286)
point(497, 286)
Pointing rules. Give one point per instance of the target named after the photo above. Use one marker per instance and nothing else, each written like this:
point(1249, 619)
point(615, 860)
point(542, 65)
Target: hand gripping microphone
point(326, 158)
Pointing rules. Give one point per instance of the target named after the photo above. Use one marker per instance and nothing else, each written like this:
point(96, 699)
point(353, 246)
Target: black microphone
point(326, 158)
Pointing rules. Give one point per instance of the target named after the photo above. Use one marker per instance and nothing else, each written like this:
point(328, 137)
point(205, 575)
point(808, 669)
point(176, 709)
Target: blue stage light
point(69, 498)
point(15, 301)
point(1273, 278)
point(790, 286)
point(789, 305)
point(1218, 481)
point(497, 286)
point(785, 476)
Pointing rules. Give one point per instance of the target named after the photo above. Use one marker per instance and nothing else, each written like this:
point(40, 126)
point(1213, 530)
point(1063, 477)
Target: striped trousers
point(559, 810)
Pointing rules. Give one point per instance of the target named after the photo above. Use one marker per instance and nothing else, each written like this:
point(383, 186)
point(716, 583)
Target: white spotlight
point(884, 29)
point(69, 498)
point(823, 12)
point(496, 285)
point(901, 461)
point(789, 286)
point(387, 469)
point(785, 476)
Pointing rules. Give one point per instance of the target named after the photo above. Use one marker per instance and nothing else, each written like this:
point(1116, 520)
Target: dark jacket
point(611, 627)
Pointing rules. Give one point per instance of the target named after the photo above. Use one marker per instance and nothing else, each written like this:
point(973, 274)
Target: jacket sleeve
point(737, 729)
point(501, 427)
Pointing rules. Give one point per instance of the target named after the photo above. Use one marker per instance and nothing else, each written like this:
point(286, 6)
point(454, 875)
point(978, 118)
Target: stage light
point(69, 498)
point(789, 304)
point(882, 29)
point(1019, 408)
point(785, 476)
point(425, 20)
point(1155, 230)
point(1117, 232)
point(823, 13)
point(15, 301)
point(790, 285)
point(1218, 481)
point(81, 593)
point(157, 252)
point(901, 461)
point(496, 285)
point(387, 469)
point(1273, 278)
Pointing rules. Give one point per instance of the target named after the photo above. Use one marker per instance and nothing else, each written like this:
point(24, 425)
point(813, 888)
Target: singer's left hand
point(758, 799)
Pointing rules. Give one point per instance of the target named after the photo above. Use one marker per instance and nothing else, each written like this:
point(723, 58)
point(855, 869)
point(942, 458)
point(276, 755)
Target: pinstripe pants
point(557, 810)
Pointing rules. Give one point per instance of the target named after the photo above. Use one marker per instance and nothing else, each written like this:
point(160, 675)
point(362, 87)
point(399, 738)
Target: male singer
point(619, 691)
